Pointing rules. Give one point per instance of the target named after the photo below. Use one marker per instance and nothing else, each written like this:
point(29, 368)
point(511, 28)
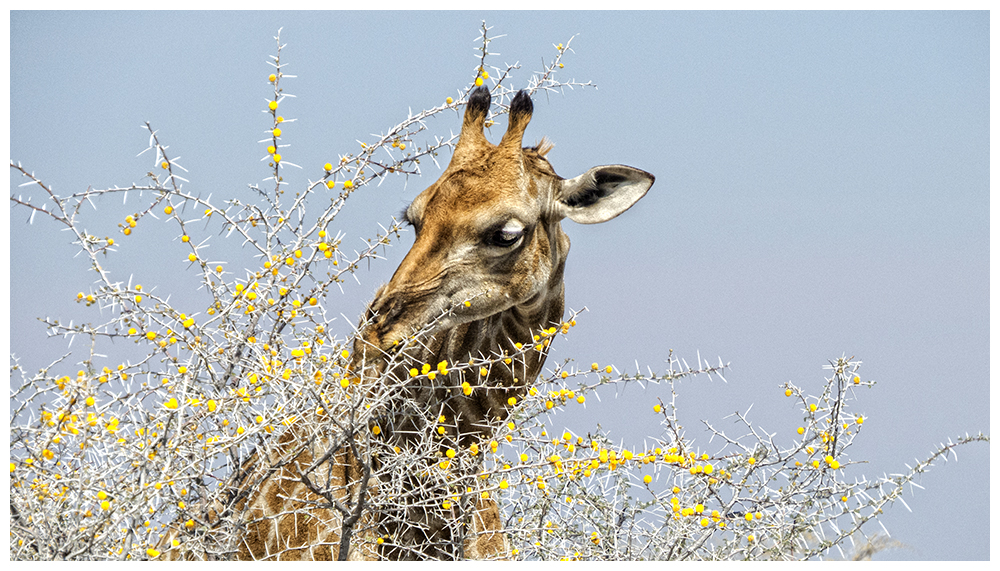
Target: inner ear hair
point(586, 195)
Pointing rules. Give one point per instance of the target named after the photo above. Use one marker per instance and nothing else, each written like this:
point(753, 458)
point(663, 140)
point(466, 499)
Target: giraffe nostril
point(383, 314)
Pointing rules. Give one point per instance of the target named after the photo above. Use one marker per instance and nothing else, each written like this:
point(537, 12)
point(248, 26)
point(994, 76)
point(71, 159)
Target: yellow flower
point(328, 167)
point(152, 553)
point(276, 132)
point(647, 478)
point(272, 77)
point(479, 82)
point(272, 105)
point(449, 101)
point(171, 404)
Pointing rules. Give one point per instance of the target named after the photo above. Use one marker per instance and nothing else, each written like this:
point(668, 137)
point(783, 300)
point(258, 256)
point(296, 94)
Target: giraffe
point(483, 277)
point(487, 269)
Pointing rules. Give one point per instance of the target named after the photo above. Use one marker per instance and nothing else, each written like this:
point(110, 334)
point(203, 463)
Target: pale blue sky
point(822, 187)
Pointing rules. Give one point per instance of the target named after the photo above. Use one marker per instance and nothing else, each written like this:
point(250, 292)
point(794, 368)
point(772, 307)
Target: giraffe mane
point(543, 147)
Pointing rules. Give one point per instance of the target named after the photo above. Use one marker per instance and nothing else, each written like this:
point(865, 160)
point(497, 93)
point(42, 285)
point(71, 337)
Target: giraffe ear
point(601, 193)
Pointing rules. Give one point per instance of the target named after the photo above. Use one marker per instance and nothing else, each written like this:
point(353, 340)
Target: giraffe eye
point(507, 236)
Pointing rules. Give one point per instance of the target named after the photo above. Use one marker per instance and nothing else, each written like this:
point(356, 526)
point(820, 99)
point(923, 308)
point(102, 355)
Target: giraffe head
point(488, 235)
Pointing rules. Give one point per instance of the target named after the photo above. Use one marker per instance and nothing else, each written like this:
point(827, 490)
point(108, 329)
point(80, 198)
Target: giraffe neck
point(469, 418)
